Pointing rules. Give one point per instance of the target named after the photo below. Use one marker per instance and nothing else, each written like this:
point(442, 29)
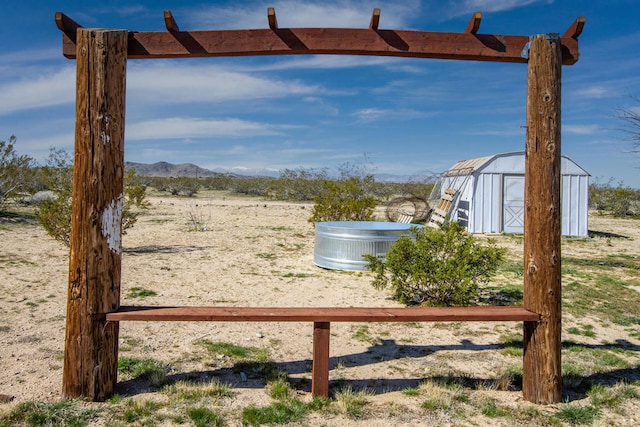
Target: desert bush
point(349, 198)
point(157, 182)
point(180, 186)
point(55, 214)
point(14, 170)
point(619, 200)
point(183, 186)
point(199, 217)
point(218, 182)
point(135, 199)
point(251, 185)
point(297, 184)
point(439, 267)
point(346, 199)
point(420, 189)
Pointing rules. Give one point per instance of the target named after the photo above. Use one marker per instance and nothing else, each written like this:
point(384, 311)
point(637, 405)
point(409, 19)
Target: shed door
point(513, 204)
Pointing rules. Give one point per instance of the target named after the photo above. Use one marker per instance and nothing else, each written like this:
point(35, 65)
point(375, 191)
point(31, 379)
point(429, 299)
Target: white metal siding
point(485, 207)
point(575, 205)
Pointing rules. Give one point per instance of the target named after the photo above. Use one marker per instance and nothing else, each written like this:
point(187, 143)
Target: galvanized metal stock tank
point(341, 245)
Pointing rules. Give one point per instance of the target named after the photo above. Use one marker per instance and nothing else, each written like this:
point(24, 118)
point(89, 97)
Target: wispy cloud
point(376, 114)
point(500, 130)
point(469, 6)
point(324, 62)
point(17, 58)
point(176, 82)
point(37, 91)
point(95, 15)
point(596, 91)
point(38, 146)
point(580, 129)
point(292, 14)
point(186, 128)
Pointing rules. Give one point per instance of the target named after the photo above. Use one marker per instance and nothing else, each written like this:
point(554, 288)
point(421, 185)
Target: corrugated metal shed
point(491, 194)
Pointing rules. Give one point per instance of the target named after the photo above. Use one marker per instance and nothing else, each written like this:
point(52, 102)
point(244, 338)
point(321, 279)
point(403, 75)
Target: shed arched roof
point(471, 166)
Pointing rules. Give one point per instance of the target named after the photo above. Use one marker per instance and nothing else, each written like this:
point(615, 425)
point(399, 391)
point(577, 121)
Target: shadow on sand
point(258, 373)
point(162, 249)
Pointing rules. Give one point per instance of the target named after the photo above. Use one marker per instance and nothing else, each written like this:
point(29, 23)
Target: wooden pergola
point(91, 341)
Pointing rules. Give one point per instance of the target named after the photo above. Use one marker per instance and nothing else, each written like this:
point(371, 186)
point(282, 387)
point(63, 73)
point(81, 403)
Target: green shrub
point(440, 267)
point(183, 186)
point(15, 170)
point(346, 199)
point(297, 184)
point(619, 201)
point(251, 185)
point(217, 182)
point(55, 214)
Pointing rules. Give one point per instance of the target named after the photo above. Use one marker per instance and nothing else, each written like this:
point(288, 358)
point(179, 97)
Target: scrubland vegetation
point(601, 324)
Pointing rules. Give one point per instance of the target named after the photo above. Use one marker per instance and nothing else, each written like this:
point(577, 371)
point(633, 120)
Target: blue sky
point(401, 116)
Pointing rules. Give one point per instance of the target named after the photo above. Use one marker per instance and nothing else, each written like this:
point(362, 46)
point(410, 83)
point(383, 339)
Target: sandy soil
point(255, 253)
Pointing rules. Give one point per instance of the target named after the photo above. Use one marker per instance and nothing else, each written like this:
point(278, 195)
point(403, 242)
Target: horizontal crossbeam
point(324, 314)
point(337, 41)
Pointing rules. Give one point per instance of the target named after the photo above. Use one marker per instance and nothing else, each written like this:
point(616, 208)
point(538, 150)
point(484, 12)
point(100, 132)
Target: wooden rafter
point(467, 45)
point(170, 22)
point(474, 23)
point(375, 19)
point(68, 26)
point(271, 17)
point(575, 29)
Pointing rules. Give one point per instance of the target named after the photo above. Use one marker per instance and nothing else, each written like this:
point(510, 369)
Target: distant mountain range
point(165, 170)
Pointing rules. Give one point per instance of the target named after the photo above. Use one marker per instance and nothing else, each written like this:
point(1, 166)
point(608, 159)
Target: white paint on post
point(112, 224)
point(104, 133)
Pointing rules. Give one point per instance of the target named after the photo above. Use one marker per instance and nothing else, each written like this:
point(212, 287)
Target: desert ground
point(251, 252)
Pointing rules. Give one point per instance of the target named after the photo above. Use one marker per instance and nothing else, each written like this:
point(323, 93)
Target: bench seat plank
point(322, 318)
point(323, 314)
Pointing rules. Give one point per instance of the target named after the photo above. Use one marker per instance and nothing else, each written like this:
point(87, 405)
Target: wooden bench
point(322, 318)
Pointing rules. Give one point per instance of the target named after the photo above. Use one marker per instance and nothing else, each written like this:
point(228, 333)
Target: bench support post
point(320, 371)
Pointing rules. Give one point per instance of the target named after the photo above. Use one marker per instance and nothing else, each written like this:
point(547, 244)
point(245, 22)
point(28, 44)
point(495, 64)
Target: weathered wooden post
point(542, 371)
point(91, 344)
